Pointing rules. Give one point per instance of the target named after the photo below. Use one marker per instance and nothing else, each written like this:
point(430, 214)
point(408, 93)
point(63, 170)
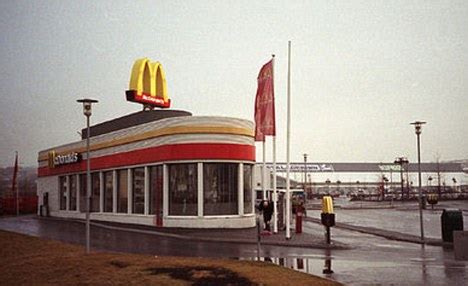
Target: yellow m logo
point(51, 159)
point(148, 84)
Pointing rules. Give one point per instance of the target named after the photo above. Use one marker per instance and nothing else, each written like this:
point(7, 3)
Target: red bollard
point(299, 222)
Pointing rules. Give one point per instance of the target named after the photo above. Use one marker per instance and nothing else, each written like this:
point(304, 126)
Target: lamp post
point(417, 129)
point(400, 161)
point(391, 182)
point(385, 183)
point(305, 176)
point(87, 112)
point(359, 195)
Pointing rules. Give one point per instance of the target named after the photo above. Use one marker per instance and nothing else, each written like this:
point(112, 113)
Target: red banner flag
point(15, 172)
point(265, 103)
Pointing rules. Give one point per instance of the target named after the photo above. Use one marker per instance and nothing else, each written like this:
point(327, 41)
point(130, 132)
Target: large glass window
point(248, 189)
point(108, 191)
point(95, 192)
point(138, 190)
point(220, 183)
point(122, 191)
point(63, 192)
point(156, 190)
point(183, 189)
point(83, 193)
point(72, 180)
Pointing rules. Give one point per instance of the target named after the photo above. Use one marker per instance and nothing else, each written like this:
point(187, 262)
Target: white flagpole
point(288, 139)
point(275, 193)
point(264, 169)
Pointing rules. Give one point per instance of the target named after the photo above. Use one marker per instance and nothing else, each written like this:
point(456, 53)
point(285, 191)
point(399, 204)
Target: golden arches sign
point(148, 84)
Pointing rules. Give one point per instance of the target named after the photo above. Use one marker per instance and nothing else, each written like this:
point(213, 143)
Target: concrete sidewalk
point(238, 236)
point(393, 235)
point(249, 235)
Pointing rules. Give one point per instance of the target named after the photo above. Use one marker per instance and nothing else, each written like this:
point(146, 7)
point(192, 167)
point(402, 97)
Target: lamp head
point(418, 126)
point(87, 105)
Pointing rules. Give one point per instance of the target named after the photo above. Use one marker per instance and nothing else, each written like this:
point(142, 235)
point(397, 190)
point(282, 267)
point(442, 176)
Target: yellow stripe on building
point(158, 133)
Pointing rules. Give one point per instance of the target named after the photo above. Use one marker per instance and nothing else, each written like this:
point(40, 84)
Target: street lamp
point(400, 161)
point(385, 182)
point(87, 112)
point(305, 174)
point(417, 129)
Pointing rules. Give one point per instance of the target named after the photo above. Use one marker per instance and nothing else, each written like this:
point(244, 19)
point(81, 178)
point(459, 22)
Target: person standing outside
point(266, 207)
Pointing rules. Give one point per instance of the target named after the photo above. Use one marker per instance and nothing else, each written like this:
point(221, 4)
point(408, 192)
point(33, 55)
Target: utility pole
point(305, 176)
point(400, 161)
point(439, 189)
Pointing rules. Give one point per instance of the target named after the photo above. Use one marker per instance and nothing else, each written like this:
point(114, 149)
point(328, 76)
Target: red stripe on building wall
point(158, 154)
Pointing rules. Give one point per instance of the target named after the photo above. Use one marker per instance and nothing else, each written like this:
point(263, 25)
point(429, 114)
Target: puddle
point(318, 265)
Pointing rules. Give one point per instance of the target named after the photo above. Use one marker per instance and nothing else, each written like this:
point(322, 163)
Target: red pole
point(13, 183)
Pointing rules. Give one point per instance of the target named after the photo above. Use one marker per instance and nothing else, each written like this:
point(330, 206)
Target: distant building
point(347, 177)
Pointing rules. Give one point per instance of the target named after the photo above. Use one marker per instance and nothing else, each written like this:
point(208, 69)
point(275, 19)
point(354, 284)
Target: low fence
point(27, 205)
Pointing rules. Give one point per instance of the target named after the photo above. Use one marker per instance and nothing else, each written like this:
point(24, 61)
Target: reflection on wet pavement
point(402, 217)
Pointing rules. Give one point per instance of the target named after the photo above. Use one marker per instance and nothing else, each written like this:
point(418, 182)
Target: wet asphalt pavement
point(403, 217)
point(372, 260)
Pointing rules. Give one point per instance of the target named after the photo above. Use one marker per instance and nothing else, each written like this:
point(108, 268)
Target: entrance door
point(45, 204)
point(45, 199)
point(156, 194)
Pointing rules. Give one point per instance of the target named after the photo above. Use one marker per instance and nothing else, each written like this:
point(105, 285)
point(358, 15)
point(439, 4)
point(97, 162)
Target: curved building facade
point(158, 167)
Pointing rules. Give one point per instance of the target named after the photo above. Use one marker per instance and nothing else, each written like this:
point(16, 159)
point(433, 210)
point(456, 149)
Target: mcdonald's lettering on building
point(62, 159)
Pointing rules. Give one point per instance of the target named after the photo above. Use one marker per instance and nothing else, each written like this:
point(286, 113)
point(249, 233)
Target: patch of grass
point(26, 260)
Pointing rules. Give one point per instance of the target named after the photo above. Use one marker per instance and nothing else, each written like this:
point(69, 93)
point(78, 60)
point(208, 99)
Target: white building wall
point(211, 222)
point(51, 186)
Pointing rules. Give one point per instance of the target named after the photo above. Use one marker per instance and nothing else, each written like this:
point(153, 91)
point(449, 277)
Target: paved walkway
point(247, 236)
point(393, 235)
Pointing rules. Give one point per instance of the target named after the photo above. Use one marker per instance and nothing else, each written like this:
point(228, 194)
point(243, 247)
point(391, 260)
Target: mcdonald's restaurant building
point(173, 170)
point(165, 168)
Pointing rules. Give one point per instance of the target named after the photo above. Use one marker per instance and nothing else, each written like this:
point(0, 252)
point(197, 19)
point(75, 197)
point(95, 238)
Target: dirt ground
point(26, 260)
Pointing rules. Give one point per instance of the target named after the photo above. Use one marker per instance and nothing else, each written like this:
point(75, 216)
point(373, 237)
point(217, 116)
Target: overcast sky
point(361, 70)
